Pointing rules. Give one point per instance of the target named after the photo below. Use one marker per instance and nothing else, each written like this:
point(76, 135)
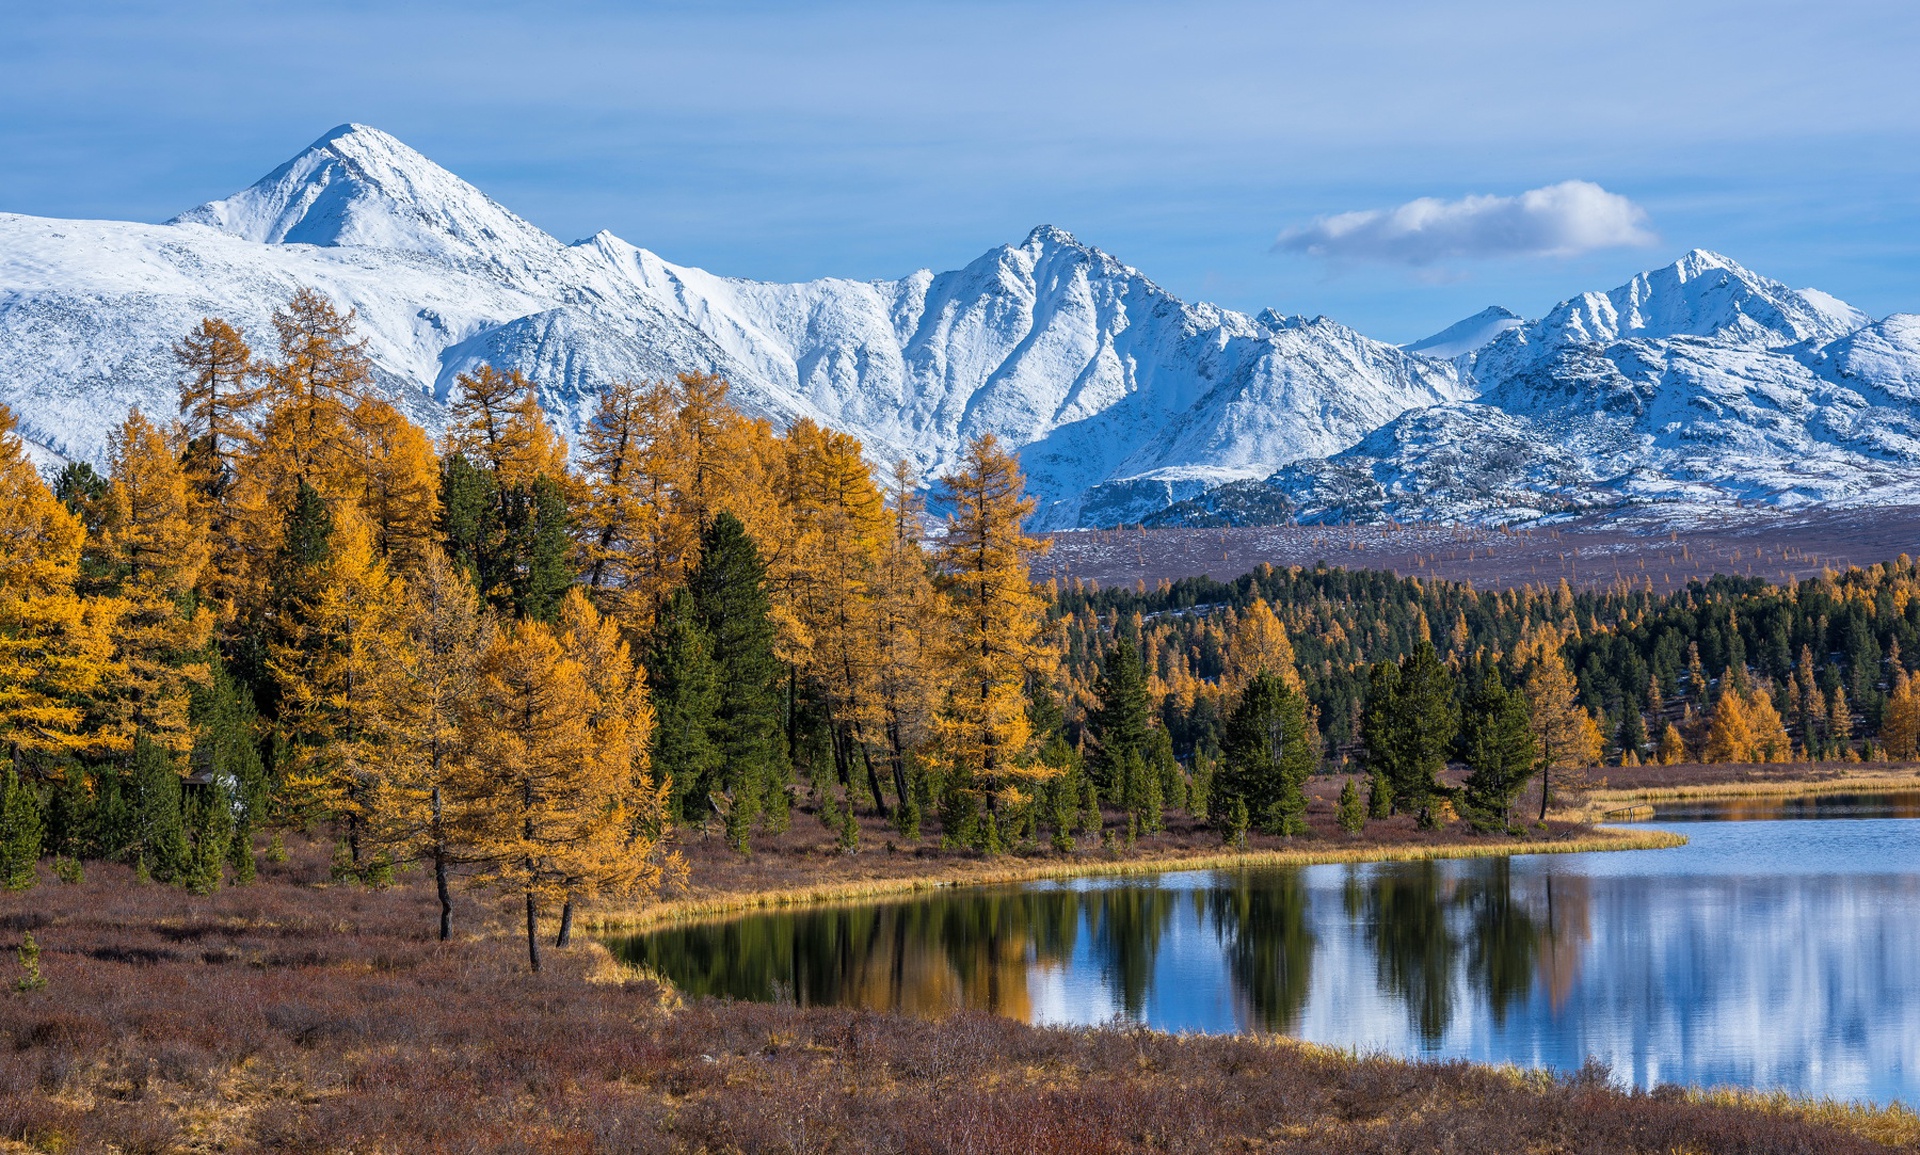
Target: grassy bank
point(944, 872)
point(299, 1016)
point(1640, 786)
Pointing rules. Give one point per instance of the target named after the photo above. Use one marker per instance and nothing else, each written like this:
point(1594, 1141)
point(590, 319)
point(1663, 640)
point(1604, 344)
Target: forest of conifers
point(523, 664)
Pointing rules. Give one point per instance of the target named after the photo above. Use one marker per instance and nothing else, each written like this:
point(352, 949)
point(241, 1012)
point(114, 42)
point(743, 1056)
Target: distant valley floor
point(1589, 552)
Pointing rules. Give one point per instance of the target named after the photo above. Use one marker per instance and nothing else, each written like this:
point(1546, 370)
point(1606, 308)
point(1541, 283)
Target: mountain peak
point(1703, 294)
point(1467, 335)
point(358, 186)
point(1045, 236)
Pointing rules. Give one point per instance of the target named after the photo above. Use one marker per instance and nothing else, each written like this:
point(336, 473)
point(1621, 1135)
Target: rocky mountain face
point(1698, 383)
point(1121, 397)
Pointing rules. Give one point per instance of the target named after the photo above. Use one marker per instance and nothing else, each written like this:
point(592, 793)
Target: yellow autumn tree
point(906, 652)
point(218, 395)
point(993, 633)
point(1565, 735)
point(425, 680)
point(155, 538)
point(1730, 731)
point(1673, 746)
point(553, 805)
point(496, 420)
point(1768, 729)
point(620, 721)
point(311, 391)
point(306, 438)
point(337, 612)
point(1259, 642)
point(636, 539)
point(400, 480)
point(839, 529)
point(1900, 723)
point(53, 646)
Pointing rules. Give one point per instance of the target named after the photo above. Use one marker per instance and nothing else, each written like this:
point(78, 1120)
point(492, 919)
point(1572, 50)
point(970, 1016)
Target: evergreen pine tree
point(21, 827)
point(1118, 725)
point(685, 687)
point(1496, 743)
point(1411, 721)
point(212, 845)
point(159, 825)
point(730, 605)
point(1264, 759)
point(1350, 812)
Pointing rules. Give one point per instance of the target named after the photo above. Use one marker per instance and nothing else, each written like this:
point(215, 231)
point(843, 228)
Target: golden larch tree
point(993, 631)
point(1900, 723)
point(906, 650)
point(401, 486)
point(1565, 735)
point(53, 646)
point(620, 720)
point(839, 529)
point(155, 535)
point(338, 617)
point(555, 811)
point(425, 682)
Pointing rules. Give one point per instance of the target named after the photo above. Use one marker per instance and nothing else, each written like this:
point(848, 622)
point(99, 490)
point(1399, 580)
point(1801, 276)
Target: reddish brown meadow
point(295, 1015)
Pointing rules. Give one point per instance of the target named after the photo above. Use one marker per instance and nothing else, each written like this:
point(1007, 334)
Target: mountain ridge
point(1123, 399)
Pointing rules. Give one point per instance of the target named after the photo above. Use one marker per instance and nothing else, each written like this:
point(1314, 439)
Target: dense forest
point(526, 665)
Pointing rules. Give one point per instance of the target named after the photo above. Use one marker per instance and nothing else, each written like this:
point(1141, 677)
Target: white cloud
point(1560, 220)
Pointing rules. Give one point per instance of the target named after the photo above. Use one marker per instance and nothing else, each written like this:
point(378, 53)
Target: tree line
point(522, 664)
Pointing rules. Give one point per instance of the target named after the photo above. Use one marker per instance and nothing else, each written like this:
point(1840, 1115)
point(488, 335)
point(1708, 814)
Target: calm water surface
point(1768, 952)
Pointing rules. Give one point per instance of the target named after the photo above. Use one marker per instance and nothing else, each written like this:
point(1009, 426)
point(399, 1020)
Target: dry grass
point(946, 873)
point(301, 1017)
point(1638, 786)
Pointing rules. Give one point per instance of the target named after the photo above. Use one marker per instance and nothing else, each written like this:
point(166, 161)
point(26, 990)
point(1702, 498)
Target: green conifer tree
point(1410, 723)
point(1496, 743)
point(1119, 723)
point(685, 688)
point(21, 827)
point(1264, 758)
point(159, 827)
point(1350, 812)
point(730, 602)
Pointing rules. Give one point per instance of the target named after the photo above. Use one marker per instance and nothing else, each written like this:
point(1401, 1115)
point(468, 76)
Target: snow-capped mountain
point(1700, 383)
point(1121, 396)
point(1697, 383)
point(1467, 336)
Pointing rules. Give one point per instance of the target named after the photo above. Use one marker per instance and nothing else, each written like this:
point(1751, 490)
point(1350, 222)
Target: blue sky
point(867, 139)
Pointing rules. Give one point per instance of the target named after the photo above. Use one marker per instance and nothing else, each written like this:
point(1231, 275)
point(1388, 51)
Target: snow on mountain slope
point(1469, 335)
point(1121, 395)
point(1699, 383)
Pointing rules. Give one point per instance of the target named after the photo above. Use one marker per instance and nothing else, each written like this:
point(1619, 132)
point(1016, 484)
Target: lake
point(1778, 950)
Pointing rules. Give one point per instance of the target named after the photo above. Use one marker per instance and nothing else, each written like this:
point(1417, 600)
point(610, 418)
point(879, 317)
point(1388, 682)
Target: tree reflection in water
point(1262, 921)
point(1435, 931)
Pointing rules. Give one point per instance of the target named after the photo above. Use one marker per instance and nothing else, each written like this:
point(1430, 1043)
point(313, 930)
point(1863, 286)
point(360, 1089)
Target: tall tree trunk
point(873, 779)
point(446, 895)
point(898, 758)
point(440, 860)
point(533, 935)
point(1546, 772)
point(566, 924)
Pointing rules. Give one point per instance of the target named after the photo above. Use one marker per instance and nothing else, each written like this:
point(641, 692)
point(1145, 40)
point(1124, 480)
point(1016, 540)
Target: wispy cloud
point(1560, 220)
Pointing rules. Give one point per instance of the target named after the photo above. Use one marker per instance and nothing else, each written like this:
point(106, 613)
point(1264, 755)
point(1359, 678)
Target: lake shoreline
point(950, 874)
point(1635, 787)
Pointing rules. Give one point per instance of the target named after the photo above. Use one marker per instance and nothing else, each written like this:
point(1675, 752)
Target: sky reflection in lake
point(1765, 953)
